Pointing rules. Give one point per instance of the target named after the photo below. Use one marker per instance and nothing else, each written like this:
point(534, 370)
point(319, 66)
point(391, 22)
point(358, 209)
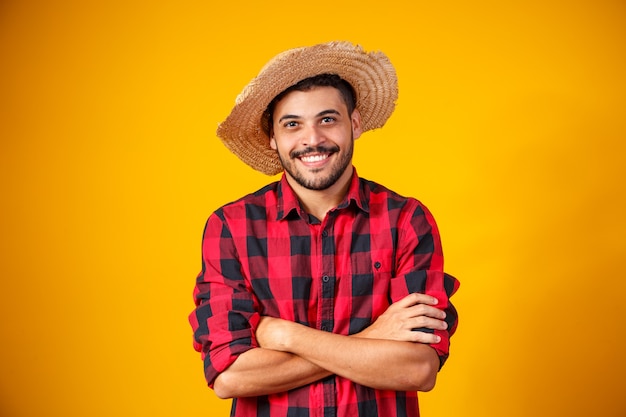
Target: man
point(322, 294)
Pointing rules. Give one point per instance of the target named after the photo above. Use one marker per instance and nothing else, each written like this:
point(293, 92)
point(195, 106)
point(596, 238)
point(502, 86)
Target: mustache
point(313, 149)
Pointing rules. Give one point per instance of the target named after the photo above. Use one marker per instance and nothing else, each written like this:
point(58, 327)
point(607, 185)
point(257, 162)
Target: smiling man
point(322, 294)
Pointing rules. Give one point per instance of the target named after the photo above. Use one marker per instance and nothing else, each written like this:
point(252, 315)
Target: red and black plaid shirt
point(263, 255)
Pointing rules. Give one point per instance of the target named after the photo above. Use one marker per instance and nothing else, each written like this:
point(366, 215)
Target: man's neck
point(319, 202)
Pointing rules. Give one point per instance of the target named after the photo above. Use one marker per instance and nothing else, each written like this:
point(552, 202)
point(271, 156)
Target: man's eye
point(291, 124)
point(328, 119)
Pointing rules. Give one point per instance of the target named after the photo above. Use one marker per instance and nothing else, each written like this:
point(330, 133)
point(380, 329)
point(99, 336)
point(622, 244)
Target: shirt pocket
point(362, 296)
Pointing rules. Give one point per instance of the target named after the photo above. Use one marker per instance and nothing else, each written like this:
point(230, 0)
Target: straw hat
point(371, 75)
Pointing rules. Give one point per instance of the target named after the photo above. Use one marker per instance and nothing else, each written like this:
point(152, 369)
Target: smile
point(314, 158)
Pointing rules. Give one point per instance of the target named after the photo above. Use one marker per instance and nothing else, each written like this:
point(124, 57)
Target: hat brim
point(371, 75)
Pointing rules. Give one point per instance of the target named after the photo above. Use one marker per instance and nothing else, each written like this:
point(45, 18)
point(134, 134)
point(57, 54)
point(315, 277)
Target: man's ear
point(357, 128)
point(272, 141)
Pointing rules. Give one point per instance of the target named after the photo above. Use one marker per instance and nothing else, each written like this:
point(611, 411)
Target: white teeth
point(314, 158)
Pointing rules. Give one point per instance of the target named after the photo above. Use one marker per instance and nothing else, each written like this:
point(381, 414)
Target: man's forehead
point(312, 100)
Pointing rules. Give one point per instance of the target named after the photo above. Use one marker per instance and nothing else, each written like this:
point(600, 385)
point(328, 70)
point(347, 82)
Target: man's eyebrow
point(288, 116)
point(329, 111)
point(320, 114)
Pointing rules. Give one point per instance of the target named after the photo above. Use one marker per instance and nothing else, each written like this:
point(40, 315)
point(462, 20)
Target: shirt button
point(325, 278)
point(324, 233)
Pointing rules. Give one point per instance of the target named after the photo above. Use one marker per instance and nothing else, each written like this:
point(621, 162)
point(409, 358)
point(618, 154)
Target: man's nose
point(313, 136)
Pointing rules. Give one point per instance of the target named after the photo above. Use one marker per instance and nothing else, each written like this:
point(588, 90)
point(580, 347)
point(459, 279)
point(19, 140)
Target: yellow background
point(510, 127)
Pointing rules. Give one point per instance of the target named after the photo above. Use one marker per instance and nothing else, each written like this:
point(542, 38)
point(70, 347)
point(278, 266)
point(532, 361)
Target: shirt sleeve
point(420, 269)
point(225, 319)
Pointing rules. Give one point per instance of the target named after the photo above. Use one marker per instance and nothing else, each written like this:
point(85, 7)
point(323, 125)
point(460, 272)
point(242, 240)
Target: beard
point(322, 182)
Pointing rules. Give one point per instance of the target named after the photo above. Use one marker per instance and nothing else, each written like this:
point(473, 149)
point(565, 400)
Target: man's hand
point(412, 312)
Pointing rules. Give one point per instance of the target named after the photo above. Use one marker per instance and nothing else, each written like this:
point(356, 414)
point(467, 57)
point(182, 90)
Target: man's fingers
point(425, 310)
point(416, 298)
point(428, 323)
point(415, 311)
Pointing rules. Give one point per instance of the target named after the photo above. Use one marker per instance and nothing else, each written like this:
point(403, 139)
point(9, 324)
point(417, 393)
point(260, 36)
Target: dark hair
point(322, 80)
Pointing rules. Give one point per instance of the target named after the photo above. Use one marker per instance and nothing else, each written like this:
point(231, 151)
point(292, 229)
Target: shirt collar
point(288, 201)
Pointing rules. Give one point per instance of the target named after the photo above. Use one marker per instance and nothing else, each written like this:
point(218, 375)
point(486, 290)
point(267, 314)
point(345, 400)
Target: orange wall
point(510, 127)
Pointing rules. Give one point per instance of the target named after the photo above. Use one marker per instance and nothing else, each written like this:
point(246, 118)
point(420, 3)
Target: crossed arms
point(247, 354)
point(387, 355)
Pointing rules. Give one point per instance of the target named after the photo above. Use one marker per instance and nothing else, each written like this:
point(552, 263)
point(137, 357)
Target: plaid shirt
point(264, 256)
